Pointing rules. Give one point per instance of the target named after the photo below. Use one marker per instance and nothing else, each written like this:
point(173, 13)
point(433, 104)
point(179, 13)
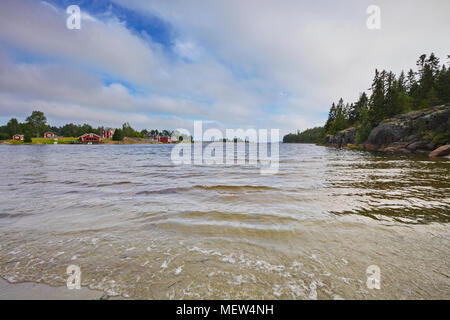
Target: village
point(36, 130)
point(106, 137)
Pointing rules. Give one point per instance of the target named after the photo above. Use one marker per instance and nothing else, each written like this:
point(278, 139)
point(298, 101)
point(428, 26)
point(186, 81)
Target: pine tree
point(442, 85)
point(427, 87)
point(393, 106)
point(331, 118)
point(377, 101)
point(357, 107)
point(118, 135)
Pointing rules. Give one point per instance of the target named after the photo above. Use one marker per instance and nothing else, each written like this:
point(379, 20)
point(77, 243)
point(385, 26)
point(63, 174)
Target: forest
point(36, 125)
point(388, 96)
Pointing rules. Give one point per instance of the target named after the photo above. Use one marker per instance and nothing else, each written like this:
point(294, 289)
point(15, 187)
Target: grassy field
point(60, 140)
point(68, 140)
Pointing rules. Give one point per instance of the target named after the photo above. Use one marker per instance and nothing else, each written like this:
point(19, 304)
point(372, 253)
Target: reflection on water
point(142, 228)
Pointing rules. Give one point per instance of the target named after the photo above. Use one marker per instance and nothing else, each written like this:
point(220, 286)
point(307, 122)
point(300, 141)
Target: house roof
point(90, 135)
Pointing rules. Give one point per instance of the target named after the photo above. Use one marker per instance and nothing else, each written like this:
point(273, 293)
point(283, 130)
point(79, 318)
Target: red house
point(90, 138)
point(164, 139)
point(108, 133)
point(50, 135)
point(18, 137)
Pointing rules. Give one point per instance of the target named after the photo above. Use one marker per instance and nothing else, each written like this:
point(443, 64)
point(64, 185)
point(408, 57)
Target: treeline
point(36, 125)
point(391, 95)
point(313, 135)
point(128, 131)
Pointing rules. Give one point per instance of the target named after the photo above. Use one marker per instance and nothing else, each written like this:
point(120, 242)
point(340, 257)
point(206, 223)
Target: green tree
point(357, 107)
point(85, 128)
point(331, 118)
point(377, 110)
point(364, 129)
point(37, 123)
point(392, 104)
point(442, 84)
point(390, 96)
point(340, 118)
point(13, 127)
point(428, 72)
point(118, 135)
point(128, 131)
point(27, 137)
point(314, 135)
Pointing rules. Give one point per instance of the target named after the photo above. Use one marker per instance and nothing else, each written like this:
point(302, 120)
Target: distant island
point(35, 130)
point(408, 113)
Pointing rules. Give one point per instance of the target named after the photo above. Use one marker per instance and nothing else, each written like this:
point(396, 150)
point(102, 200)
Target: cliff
point(420, 131)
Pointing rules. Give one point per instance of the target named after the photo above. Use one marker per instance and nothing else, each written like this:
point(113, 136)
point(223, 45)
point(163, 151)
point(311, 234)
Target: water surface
point(140, 227)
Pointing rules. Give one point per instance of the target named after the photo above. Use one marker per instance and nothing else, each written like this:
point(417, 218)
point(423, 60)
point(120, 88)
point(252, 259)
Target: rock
point(329, 139)
point(412, 138)
point(408, 132)
point(370, 147)
point(441, 151)
point(430, 146)
point(421, 151)
point(396, 149)
point(342, 138)
point(407, 126)
point(415, 145)
point(387, 133)
point(399, 145)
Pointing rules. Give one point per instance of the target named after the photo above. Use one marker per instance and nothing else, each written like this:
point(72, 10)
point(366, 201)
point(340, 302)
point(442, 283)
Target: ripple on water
point(141, 227)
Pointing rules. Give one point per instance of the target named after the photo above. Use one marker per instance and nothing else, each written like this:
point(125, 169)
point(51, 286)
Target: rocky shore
point(424, 131)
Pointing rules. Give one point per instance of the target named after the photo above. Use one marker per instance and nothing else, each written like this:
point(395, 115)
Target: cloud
point(317, 50)
point(239, 63)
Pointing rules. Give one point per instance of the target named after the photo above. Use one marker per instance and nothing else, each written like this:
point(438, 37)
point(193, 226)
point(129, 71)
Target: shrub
point(27, 138)
point(363, 133)
point(118, 135)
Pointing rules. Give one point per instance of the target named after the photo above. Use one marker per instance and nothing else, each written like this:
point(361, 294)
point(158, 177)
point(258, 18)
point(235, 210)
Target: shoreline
point(40, 291)
point(388, 151)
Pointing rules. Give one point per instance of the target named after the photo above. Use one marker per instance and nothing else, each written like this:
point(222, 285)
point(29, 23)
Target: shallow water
point(140, 227)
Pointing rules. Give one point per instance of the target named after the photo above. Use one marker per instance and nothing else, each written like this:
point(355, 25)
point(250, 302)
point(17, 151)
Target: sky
point(231, 63)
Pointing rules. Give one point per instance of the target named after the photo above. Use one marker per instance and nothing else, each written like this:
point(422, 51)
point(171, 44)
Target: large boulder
point(342, 138)
point(388, 132)
point(406, 127)
point(441, 151)
point(416, 145)
point(417, 131)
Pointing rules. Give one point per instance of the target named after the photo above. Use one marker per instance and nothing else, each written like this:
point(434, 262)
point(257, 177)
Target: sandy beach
point(37, 291)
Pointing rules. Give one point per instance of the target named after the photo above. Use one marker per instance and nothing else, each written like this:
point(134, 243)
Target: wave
point(230, 188)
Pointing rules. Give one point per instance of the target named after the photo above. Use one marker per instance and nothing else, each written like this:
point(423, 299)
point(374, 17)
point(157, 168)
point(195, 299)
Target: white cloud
point(241, 55)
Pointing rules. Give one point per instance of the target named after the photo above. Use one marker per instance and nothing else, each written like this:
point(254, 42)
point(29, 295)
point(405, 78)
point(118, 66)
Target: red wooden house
point(164, 139)
point(50, 135)
point(108, 133)
point(18, 137)
point(90, 138)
